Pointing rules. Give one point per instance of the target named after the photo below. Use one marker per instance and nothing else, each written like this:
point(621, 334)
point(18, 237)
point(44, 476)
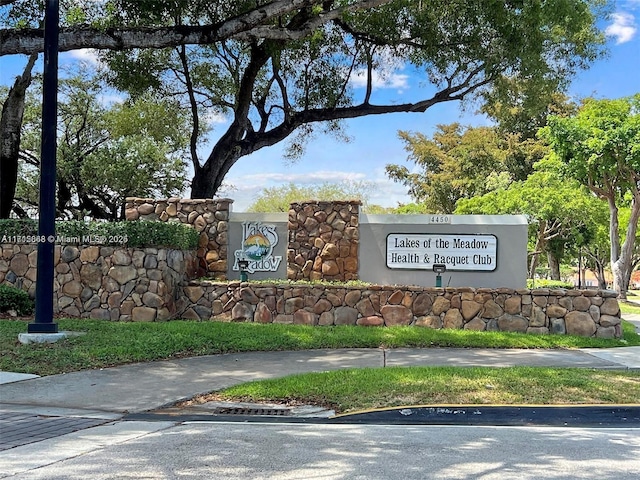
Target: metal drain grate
point(251, 411)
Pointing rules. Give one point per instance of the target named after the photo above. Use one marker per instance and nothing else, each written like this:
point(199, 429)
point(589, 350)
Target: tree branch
point(367, 95)
point(193, 105)
point(255, 142)
point(251, 25)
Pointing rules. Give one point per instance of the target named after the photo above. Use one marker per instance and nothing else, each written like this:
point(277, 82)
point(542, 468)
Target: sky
point(374, 140)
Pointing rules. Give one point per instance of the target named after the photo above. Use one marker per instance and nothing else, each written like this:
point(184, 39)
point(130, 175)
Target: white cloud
point(87, 55)
point(386, 192)
point(386, 72)
point(623, 28)
point(380, 80)
point(213, 117)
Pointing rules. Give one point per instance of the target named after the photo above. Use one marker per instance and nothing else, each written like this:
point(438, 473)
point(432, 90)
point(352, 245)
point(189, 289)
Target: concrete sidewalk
point(146, 386)
point(51, 420)
point(33, 409)
point(67, 409)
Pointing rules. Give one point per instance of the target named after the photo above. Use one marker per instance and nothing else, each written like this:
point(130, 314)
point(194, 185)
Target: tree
point(597, 252)
point(559, 213)
point(520, 108)
point(600, 147)
point(455, 164)
point(278, 199)
point(106, 152)
point(462, 163)
point(10, 134)
point(285, 67)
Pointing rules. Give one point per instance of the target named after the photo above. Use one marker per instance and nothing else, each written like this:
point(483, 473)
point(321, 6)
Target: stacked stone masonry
point(209, 217)
point(590, 313)
point(323, 241)
point(151, 284)
point(110, 283)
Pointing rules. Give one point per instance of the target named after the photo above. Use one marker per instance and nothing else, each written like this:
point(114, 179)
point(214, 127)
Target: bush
point(14, 228)
point(130, 234)
point(545, 283)
point(12, 298)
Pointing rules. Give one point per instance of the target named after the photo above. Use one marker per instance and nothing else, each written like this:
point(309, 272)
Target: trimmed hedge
point(12, 298)
point(130, 234)
point(544, 283)
point(13, 228)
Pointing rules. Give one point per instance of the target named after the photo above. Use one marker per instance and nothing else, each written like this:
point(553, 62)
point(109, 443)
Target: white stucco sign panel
point(462, 252)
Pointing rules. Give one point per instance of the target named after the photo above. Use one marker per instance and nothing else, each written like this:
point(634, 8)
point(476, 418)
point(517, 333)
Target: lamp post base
point(42, 328)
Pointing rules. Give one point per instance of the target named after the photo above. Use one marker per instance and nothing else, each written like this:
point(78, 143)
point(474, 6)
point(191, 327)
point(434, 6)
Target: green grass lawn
point(629, 307)
point(358, 389)
point(115, 343)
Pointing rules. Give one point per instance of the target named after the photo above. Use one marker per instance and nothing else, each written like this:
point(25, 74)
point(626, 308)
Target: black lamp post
point(47, 208)
point(439, 268)
point(243, 263)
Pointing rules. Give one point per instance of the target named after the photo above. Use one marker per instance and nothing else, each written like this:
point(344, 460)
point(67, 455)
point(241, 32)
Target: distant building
point(589, 279)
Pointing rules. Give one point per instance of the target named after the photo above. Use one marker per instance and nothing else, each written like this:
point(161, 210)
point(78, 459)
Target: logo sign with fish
point(257, 247)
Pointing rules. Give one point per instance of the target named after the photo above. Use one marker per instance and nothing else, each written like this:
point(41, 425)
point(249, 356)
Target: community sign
point(462, 252)
point(258, 240)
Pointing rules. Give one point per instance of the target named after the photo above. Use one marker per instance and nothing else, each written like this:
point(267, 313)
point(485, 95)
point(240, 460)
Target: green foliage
point(15, 228)
point(410, 209)
point(131, 234)
point(106, 152)
point(292, 87)
point(456, 163)
point(521, 106)
point(546, 283)
point(562, 215)
point(278, 199)
point(143, 234)
point(599, 146)
point(12, 298)
point(280, 281)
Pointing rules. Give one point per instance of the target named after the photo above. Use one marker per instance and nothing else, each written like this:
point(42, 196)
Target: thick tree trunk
point(620, 283)
point(621, 264)
point(554, 266)
point(537, 249)
point(208, 178)
point(254, 23)
point(600, 275)
point(10, 128)
point(232, 145)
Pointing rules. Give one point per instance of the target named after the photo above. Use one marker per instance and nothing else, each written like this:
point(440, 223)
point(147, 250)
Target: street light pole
point(43, 322)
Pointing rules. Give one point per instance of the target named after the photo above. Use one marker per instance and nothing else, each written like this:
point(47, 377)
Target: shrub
point(131, 234)
point(545, 283)
point(14, 228)
point(12, 298)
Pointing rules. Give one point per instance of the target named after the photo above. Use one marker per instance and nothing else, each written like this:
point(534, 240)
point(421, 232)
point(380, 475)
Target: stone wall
point(209, 217)
point(577, 312)
point(119, 283)
point(110, 283)
point(323, 241)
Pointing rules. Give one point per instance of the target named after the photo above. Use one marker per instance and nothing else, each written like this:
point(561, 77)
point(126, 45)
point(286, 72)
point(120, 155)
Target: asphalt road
point(164, 450)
